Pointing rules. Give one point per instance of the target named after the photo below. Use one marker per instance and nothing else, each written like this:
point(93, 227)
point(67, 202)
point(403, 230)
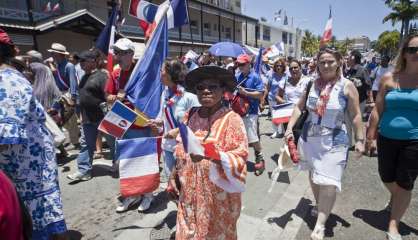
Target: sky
point(351, 18)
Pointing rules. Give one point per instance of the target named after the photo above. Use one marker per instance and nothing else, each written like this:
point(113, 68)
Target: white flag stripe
point(116, 119)
point(280, 113)
point(139, 166)
point(232, 185)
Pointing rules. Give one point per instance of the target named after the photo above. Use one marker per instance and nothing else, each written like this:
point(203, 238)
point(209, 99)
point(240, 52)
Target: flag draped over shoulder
point(144, 88)
point(138, 166)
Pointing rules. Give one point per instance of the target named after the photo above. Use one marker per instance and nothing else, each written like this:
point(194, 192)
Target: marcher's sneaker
point(146, 203)
point(274, 135)
point(126, 203)
point(78, 176)
point(393, 236)
point(259, 166)
point(318, 233)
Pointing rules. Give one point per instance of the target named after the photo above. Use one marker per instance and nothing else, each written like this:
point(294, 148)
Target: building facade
point(270, 34)
point(361, 43)
point(78, 23)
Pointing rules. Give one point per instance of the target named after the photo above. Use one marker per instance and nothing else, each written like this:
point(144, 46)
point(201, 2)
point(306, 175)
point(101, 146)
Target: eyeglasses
point(202, 87)
point(411, 50)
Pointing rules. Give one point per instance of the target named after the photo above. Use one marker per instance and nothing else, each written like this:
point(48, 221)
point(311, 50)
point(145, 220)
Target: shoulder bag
point(297, 128)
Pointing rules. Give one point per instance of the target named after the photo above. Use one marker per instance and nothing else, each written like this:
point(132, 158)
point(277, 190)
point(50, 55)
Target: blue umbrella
point(226, 49)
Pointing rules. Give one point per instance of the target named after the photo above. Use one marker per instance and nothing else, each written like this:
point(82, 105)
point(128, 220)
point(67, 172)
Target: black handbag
point(297, 128)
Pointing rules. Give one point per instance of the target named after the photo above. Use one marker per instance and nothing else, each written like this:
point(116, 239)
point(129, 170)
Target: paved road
point(282, 213)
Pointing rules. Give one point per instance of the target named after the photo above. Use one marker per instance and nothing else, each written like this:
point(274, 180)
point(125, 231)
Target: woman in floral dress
point(211, 185)
point(27, 153)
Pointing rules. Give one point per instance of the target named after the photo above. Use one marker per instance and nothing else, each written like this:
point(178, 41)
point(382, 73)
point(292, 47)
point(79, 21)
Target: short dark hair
point(7, 52)
point(176, 69)
point(357, 56)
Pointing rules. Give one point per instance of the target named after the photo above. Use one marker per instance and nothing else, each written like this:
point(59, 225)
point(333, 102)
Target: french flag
point(275, 50)
point(191, 143)
point(107, 37)
point(230, 174)
point(327, 36)
point(282, 113)
point(138, 166)
point(144, 11)
point(118, 120)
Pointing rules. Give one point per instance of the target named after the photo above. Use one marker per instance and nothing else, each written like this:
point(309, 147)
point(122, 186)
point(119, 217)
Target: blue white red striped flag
point(107, 38)
point(190, 142)
point(144, 88)
point(118, 120)
point(138, 166)
point(144, 11)
point(282, 113)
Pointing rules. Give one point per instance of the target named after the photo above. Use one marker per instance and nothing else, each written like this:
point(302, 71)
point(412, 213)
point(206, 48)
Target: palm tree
point(403, 11)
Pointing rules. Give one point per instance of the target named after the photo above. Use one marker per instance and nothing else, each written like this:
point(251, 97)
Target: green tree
point(310, 44)
point(387, 43)
point(344, 45)
point(403, 11)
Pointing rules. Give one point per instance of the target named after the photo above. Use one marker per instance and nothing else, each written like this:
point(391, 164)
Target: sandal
point(259, 168)
point(393, 236)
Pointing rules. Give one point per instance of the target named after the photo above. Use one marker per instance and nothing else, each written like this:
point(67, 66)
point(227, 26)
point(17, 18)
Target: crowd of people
point(349, 105)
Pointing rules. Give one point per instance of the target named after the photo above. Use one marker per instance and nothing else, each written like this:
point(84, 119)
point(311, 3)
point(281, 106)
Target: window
point(222, 28)
point(238, 3)
point(206, 26)
point(193, 23)
point(215, 27)
point(290, 38)
point(266, 33)
point(284, 37)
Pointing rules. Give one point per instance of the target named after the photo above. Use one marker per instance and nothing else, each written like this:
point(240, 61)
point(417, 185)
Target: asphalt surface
point(270, 210)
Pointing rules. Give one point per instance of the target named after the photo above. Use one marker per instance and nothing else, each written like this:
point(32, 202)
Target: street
point(281, 213)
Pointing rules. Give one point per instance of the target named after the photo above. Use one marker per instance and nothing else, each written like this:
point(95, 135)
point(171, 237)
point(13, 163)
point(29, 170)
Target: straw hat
point(58, 48)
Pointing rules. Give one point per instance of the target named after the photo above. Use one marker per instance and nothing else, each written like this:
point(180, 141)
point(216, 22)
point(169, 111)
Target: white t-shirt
point(293, 93)
point(378, 74)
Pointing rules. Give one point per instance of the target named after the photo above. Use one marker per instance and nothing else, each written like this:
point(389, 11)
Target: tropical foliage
point(403, 11)
point(387, 43)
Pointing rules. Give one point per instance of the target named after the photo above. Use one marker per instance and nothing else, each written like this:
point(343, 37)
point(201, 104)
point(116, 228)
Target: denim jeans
point(88, 138)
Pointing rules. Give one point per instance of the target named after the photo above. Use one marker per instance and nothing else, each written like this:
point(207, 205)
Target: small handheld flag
point(118, 120)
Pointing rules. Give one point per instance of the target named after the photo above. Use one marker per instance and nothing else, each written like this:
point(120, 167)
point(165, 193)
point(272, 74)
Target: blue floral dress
point(29, 155)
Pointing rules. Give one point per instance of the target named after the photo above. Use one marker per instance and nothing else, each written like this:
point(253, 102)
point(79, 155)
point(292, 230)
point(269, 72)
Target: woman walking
point(210, 186)
point(324, 142)
point(395, 121)
point(27, 151)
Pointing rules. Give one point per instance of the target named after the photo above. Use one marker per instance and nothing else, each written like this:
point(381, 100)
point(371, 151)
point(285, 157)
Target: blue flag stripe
point(180, 12)
point(124, 111)
point(144, 88)
point(102, 41)
point(183, 134)
point(137, 147)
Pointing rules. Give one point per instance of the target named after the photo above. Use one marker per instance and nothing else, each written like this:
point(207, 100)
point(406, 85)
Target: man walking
point(252, 88)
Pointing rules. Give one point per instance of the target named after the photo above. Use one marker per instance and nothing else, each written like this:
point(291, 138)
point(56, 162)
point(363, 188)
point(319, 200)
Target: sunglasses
point(411, 50)
point(294, 68)
point(121, 53)
point(202, 87)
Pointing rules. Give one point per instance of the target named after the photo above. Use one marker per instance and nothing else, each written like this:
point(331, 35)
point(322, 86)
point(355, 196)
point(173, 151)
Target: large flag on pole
point(144, 87)
point(144, 11)
point(327, 36)
point(138, 166)
point(258, 62)
point(107, 38)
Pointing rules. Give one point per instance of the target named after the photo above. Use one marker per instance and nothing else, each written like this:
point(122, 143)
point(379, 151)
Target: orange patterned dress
point(210, 194)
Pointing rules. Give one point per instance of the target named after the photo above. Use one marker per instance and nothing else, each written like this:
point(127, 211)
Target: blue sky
point(351, 18)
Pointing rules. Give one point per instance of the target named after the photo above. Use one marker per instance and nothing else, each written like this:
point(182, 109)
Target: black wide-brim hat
point(197, 75)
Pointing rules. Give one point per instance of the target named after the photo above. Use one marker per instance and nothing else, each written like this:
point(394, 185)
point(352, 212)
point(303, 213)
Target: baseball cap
point(244, 58)
point(124, 44)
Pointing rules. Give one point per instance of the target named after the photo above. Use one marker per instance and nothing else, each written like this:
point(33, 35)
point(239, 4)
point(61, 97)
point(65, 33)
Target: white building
point(270, 34)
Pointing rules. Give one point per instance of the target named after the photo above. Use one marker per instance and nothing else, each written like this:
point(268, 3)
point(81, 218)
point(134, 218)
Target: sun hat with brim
point(210, 72)
point(58, 48)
